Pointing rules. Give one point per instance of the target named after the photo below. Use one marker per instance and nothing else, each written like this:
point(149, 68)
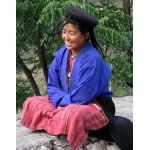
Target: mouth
point(68, 44)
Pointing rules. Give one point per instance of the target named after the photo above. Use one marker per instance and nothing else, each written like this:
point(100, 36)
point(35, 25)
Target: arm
point(91, 82)
point(54, 89)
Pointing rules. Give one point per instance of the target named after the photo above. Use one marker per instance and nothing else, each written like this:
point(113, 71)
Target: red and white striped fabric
point(74, 120)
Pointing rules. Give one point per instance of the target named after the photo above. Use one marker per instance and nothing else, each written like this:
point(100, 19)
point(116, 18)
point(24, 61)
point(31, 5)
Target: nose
point(66, 37)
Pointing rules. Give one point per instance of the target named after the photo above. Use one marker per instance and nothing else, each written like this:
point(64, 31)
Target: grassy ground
point(120, 92)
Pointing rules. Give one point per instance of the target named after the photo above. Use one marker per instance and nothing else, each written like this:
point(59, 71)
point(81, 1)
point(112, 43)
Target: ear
point(87, 34)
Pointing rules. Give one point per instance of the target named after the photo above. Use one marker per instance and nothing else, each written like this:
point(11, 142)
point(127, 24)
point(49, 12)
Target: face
point(73, 38)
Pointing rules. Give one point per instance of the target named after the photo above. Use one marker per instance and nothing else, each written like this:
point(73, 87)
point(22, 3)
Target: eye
point(72, 33)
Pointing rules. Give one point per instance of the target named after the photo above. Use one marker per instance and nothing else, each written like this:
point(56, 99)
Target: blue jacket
point(89, 77)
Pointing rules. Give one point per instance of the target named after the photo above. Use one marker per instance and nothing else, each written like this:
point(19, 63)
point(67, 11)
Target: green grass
point(120, 92)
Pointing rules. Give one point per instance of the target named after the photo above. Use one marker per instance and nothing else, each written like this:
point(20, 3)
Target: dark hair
point(83, 29)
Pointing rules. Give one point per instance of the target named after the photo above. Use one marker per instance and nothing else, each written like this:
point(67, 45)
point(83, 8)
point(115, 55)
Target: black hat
point(80, 16)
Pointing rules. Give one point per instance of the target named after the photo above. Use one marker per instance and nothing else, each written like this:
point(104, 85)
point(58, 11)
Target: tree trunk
point(28, 74)
point(127, 11)
point(42, 57)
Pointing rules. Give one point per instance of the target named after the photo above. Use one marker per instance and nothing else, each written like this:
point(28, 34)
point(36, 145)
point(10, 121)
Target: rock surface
point(40, 140)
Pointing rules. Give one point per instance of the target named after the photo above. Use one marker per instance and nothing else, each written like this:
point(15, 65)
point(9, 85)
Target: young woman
point(77, 82)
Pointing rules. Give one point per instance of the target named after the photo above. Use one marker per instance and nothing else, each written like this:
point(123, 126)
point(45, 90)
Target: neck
point(74, 53)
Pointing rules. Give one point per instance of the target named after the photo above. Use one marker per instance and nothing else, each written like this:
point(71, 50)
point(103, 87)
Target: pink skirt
point(74, 120)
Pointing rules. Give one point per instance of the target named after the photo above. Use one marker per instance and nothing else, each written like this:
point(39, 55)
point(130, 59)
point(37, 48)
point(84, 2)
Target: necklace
point(70, 63)
point(72, 57)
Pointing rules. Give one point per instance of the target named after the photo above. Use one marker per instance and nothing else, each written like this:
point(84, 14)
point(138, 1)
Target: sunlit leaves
point(112, 37)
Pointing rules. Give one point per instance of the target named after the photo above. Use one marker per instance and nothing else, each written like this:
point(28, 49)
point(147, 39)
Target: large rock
point(40, 140)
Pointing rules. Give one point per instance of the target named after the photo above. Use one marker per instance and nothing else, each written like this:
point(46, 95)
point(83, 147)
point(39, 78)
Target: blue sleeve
point(54, 89)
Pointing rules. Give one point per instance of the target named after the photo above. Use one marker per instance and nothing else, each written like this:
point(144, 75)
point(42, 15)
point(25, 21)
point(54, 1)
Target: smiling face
point(73, 38)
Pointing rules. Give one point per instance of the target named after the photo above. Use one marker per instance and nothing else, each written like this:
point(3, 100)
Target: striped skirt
point(74, 120)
